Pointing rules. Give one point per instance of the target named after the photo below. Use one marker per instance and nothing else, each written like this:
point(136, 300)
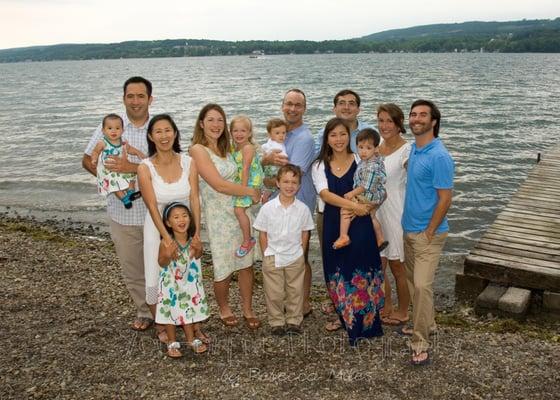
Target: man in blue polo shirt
point(428, 197)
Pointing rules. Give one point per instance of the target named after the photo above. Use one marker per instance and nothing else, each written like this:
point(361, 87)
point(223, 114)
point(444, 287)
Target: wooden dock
point(522, 247)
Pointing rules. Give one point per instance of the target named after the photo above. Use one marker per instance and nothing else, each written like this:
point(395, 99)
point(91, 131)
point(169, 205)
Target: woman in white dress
point(395, 150)
point(165, 176)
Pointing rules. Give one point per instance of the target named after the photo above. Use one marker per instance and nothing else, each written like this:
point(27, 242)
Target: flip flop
point(393, 321)
point(252, 323)
point(327, 307)
point(425, 361)
point(333, 326)
point(308, 313)
point(230, 321)
point(405, 331)
point(141, 324)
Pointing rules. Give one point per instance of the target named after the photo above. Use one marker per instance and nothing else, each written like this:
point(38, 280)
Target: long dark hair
point(176, 142)
point(325, 154)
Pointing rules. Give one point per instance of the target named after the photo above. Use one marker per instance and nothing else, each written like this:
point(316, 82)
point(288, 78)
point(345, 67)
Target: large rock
point(515, 302)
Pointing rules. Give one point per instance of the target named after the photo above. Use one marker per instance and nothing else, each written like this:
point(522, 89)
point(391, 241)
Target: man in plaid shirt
point(126, 225)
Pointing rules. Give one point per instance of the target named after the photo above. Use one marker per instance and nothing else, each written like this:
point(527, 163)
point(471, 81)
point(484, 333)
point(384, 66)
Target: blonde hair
point(247, 120)
point(198, 135)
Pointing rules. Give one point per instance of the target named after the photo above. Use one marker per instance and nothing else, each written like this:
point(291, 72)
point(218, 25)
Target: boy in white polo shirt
point(284, 224)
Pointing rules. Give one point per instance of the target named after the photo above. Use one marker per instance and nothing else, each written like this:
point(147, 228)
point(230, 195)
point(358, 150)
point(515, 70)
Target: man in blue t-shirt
point(300, 148)
point(428, 197)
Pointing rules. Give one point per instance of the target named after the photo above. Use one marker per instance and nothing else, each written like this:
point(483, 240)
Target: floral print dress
point(181, 298)
point(353, 273)
point(107, 181)
point(256, 176)
point(224, 233)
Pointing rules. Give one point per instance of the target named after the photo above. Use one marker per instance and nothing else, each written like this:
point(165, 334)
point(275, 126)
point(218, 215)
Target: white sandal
point(173, 350)
point(197, 346)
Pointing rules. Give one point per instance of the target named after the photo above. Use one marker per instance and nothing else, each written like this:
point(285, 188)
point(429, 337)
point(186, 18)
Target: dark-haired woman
point(165, 176)
point(395, 150)
point(353, 273)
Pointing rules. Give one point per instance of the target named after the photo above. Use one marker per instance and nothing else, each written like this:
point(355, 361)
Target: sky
point(44, 22)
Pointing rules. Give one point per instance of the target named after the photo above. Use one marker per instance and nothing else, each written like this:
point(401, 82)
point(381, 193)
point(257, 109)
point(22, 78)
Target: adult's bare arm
point(207, 170)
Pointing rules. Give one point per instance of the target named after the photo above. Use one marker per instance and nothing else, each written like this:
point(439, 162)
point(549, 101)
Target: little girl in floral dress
point(181, 298)
point(249, 173)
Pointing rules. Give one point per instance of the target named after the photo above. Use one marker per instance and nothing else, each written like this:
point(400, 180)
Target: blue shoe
point(245, 248)
point(127, 201)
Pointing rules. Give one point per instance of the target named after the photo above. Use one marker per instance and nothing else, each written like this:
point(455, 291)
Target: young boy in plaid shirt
point(369, 186)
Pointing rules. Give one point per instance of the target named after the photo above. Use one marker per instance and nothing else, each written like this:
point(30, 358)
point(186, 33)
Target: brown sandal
point(252, 323)
point(141, 324)
point(333, 326)
point(230, 321)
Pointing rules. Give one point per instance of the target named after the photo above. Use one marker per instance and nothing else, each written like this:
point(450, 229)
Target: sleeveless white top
point(390, 212)
point(165, 193)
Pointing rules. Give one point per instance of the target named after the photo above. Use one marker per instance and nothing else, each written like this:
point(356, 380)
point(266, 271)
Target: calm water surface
point(499, 111)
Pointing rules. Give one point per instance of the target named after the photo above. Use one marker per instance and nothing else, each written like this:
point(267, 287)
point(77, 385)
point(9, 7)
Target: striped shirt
point(136, 137)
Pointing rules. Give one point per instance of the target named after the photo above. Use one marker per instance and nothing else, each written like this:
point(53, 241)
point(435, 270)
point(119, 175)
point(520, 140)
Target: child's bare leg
point(343, 238)
point(378, 231)
point(196, 344)
point(199, 334)
point(171, 333)
point(172, 348)
point(244, 223)
point(121, 193)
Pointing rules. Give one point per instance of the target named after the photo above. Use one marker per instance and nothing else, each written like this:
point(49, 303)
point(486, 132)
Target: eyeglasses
point(297, 106)
point(344, 103)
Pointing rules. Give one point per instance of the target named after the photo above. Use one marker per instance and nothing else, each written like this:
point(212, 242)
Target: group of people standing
point(355, 178)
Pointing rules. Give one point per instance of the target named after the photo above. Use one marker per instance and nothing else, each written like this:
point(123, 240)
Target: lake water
point(499, 111)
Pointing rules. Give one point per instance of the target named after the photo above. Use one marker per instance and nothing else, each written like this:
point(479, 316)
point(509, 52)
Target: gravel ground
point(65, 334)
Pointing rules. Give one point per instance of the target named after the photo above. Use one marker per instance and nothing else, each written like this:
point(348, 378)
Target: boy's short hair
point(294, 169)
point(369, 134)
point(111, 116)
point(275, 123)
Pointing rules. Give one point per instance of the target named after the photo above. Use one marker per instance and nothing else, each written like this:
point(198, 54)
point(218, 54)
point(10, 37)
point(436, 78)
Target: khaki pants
point(129, 244)
point(283, 290)
point(421, 260)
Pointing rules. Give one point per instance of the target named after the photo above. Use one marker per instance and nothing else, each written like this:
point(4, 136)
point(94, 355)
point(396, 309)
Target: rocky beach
point(65, 334)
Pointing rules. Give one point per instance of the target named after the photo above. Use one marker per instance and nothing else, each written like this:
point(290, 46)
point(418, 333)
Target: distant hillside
point(512, 37)
point(473, 28)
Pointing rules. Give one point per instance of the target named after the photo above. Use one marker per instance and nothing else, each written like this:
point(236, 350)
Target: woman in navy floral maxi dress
point(353, 273)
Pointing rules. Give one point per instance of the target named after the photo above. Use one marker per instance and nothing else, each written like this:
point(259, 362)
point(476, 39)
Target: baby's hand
point(348, 196)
